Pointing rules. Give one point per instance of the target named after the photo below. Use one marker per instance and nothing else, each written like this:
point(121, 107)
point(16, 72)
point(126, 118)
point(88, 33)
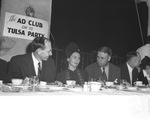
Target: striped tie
point(104, 77)
point(39, 69)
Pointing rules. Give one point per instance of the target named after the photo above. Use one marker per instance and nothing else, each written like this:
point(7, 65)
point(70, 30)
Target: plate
point(111, 87)
point(23, 86)
point(43, 89)
point(141, 86)
point(15, 84)
point(132, 88)
point(44, 86)
point(10, 89)
point(56, 88)
point(75, 89)
point(144, 89)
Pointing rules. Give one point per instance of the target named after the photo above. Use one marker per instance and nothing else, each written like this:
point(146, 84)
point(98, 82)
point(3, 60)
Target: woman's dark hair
point(70, 49)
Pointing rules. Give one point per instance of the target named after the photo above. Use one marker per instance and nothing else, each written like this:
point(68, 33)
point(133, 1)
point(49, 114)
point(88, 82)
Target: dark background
point(95, 23)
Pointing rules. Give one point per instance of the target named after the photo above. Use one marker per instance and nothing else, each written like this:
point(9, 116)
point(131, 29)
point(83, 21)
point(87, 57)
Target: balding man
point(27, 65)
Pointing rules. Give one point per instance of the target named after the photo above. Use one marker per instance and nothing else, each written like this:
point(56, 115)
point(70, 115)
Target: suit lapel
point(109, 72)
point(109, 75)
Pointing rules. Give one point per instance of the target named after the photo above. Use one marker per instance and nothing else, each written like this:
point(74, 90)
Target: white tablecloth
point(108, 104)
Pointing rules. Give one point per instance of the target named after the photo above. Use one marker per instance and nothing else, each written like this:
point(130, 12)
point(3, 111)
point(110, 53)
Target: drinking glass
point(34, 81)
point(148, 83)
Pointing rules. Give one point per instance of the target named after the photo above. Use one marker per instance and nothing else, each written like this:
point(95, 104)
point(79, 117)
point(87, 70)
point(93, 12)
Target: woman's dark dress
point(80, 76)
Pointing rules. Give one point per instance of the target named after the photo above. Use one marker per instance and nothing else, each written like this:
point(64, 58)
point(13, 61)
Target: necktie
point(39, 69)
point(104, 77)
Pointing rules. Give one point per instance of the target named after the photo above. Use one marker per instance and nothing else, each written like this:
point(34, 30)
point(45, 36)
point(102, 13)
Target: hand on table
point(58, 83)
point(127, 84)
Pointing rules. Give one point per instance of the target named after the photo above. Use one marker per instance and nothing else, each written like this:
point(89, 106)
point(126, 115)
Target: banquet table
point(68, 104)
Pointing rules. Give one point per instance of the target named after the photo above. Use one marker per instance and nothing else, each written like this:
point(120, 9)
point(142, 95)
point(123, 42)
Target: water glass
point(34, 81)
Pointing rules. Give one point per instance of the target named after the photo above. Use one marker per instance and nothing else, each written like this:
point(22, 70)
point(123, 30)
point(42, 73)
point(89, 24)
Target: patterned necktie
point(39, 69)
point(104, 77)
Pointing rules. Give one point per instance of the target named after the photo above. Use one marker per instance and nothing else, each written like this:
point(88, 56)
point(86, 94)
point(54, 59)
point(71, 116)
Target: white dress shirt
point(106, 70)
point(35, 62)
point(130, 72)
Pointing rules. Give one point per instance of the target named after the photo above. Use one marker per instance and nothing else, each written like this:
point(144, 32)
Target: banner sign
point(25, 27)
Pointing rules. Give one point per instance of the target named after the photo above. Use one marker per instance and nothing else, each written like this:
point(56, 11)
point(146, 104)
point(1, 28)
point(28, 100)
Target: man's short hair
point(105, 50)
point(131, 55)
point(38, 42)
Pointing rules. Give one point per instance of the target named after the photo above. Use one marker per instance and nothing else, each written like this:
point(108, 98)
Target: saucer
point(132, 88)
point(111, 87)
point(56, 88)
point(141, 86)
point(44, 86)
point(75, 89)
point(11, 89)
point(23, 87)
point(11, 84)
point(109, 90)
point(143, 89)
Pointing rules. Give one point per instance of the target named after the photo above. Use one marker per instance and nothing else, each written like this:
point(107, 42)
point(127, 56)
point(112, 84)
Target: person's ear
point(109, 58)
point(68, 59)
point(39, 50)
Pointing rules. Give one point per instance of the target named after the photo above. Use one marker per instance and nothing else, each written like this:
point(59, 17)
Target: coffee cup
point(42, 83)
point(71, 82)
point(1, 82)
point(95, 86)
point(16, 81)
point(109, 83)
point(138, 83)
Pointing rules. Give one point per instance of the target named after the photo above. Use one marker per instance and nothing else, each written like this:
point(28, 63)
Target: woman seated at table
point(144, 74)
point(72, 61)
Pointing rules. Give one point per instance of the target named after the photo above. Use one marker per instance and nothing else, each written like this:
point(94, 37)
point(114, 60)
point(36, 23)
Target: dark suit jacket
point(3, 69)
point(125, 73)
point(95, 72)
point(22, 66)
point(80, 76)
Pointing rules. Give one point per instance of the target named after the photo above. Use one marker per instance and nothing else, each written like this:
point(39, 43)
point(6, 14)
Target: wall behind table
point(10, 46)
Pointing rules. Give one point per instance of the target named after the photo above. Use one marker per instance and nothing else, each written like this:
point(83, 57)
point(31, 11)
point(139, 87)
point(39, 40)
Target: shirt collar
point(130, 68)
point(34, 59)
point(106, 67)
